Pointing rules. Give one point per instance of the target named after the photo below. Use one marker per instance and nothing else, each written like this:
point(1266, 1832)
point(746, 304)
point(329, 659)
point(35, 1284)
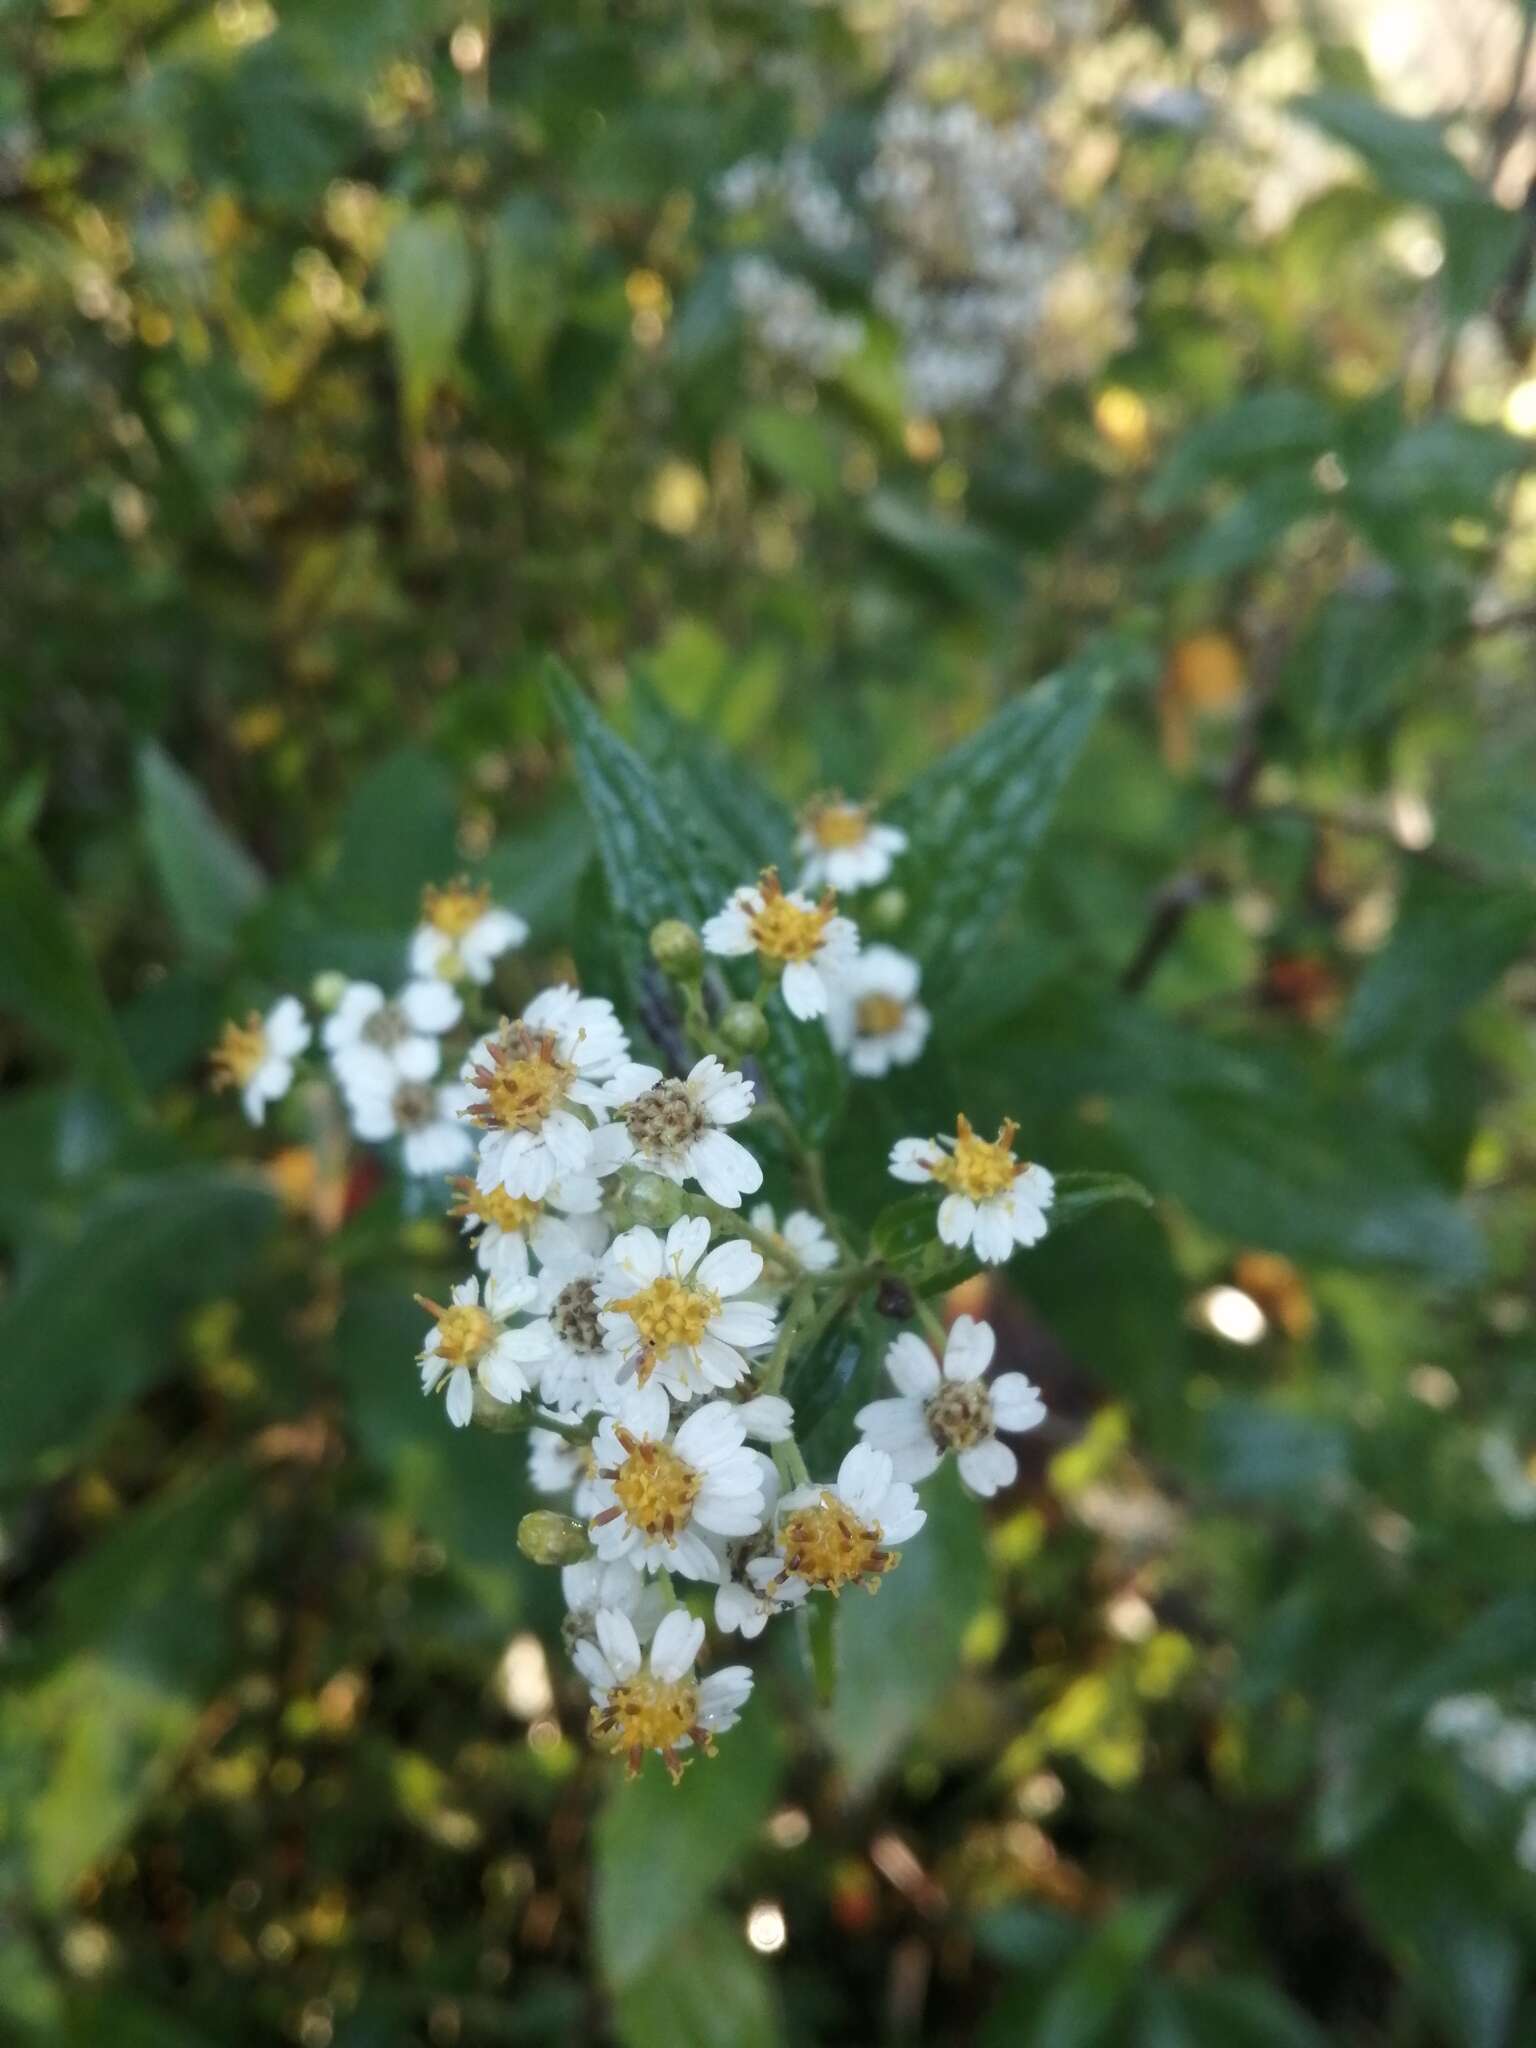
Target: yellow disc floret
point(645, 1712)
point(787, 931)
point(878, 1016)
point(828, 1546)
point(455, 909)
point(465, 1333)
point(834, 823)
point(976, 1167)
point(239, 1052)
point(495, 1206)
point(522, 1079)
point(656, 1488)
point(668, 1313)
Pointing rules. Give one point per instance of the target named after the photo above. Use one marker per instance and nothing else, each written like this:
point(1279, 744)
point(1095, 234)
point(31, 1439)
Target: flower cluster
point(629, 1313)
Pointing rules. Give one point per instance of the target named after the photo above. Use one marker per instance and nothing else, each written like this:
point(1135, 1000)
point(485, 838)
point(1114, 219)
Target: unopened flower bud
point(743, 1027)
point(654, 1201)
point(888, 910)
point(327, 990)
point(677, 949)
point(547, 1538)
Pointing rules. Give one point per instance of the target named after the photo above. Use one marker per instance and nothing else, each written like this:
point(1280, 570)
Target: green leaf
point(967, 565)
point(747, 818)
point(1408, 156)
point(138, 1638)
point(397, 834)
point(974, 819)
point(1222, 2012)
point(1452, 941)
point(706, 1991)
point(1088, 2000)
point(207, 878)
point(524, 261)
point(429, 286)
point(1358, 655)
point(76, 1353)
point(663, 1850)
point(1256, 433)
point(48, 978)
point(1246, 530)
point(662, 858)
point(795, 448)
point(926, 1605)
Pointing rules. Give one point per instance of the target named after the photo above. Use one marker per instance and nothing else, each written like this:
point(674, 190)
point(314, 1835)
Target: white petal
point(912, 1159)
point(987, 1466)
point(686, 1241)
point(724, 1168)
point(748, 1325)
point(593, 1665)
point(912, 1366)
point(995, 1229)
point(769, 1419)
point(863, 1479)
point(805, 993)
point(431, 1006)
point(957, 1216)
point(731, 1268)
point(618, 1642)
point(969, 1350)
point(729, 932)
point(461, 1397)
point(722, 1696)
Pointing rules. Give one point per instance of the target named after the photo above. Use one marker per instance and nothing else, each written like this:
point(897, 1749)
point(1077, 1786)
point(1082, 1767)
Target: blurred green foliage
point(356, 360)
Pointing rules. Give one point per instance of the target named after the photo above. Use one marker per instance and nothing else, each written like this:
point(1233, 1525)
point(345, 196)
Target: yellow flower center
point(666, 1314)
point(496, 1206)
point(827, 1545)
point(976, 1167)
point(879, 1016)
point(833, 823)
point(465, 1332)
point(239, 1052)
point(782, 930)
point(456, 909)
point(656, 1488)
point(644, 1713)
point(523, 1081)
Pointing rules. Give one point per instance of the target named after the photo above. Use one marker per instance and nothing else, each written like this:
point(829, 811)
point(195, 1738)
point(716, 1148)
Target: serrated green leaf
point(974, 819)
point(207, 878)
point(664, 1850)
point(48, 977)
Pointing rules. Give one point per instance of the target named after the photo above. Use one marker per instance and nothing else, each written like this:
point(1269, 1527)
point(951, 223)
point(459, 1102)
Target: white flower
point(667, 1308)
point(257, 1056)
point(405, 1030)
point(740, 1605)
point(426, 1116)
point(767, 1418)
point(807, 942)
point(563, 1344)
point(469, 1341)
point(463, 934)
point(876, 1021)
point(557, 1466)
point(534, 1076)
point(957, 1410)
point(804, 1237)
point(836, 1536)
point(664, 1494)
point(675, 1128)
point(592, 1585)
point(841, 844)
point(992, 1200)
point(663, 1706)
point(500, 1226)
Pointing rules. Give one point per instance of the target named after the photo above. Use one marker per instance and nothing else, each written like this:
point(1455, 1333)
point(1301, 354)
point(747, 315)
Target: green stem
point(774, 1250)
point(931, 1320)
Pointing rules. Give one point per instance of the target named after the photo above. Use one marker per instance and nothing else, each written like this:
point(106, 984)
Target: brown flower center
point(663, 1121)
point(879, 1016)
point(414, 1104)
point(522, 1079)
point(575, 1316)
point(959, 1415)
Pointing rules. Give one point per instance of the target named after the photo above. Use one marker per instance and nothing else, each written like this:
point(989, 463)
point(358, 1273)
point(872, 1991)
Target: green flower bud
point(888, 910)
point(547, 1538)
point(653, 1200)
point(743, 1027)
point(327, 990)
point(677, 949)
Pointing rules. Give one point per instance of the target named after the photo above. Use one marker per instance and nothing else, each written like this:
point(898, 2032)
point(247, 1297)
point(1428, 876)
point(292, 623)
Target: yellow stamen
point(495, 1206)
point(644, 1713)
point(464, 1332)
point(879, 1016)
point(978, 1168)
point(666, 1314)
point(833, 822)
point(524, 1080)
point(827, 1545)
point(782, 930)
point(455, 909)
point(239, 1052)
point(656, 1488)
